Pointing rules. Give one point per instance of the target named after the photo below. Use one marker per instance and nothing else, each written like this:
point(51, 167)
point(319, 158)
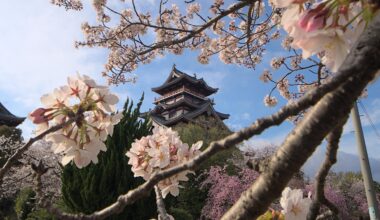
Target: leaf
point(266, 216)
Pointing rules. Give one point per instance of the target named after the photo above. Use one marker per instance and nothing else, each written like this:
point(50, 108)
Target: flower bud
point(38, 116)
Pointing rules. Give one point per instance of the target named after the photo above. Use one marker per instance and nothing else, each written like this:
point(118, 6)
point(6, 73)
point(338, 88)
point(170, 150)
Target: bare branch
point(319, 197)
point(361, 65)
point(163, 215)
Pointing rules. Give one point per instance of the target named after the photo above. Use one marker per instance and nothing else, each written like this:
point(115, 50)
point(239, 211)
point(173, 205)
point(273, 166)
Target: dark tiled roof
point(7, 118)
point(177, 76)
point(205, 108)
point(182, 102)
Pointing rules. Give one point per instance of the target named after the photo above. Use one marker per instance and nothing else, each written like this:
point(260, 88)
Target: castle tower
point(182, 99)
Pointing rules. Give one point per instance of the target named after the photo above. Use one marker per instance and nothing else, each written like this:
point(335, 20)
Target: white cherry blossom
point(294, 205)
point(161, 150)
point(82, 140)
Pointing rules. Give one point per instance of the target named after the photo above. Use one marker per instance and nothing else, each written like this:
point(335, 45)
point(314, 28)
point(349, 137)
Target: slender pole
point(364, 164)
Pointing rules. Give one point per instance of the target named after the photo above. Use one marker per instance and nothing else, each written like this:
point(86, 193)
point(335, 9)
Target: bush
point(24, 203)
point(40, 214)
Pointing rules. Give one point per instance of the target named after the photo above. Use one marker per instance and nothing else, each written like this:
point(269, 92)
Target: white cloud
point(37, 44)
point(38, 50)
point(214, 78)
point(260, 142)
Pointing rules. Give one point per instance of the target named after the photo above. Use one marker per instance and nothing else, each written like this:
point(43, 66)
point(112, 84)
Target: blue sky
point(37, 54)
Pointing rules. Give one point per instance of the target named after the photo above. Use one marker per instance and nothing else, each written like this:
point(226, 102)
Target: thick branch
point(331, 154)
point(26, 146)
point(362, 65)
point(256, 128)
point(163, 215)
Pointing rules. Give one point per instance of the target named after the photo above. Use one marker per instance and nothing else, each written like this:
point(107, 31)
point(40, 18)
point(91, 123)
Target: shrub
point(24, 203)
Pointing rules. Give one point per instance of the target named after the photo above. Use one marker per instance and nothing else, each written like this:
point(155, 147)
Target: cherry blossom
point(270, 100)
point(294, 205)
point(323, 28)
point(237, 37)
point(93, 107)
point(161, 150)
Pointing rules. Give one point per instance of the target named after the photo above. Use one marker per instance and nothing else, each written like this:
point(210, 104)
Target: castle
point(183, 98)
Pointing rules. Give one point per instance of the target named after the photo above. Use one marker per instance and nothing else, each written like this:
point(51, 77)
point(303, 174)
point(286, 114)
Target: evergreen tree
point(98, 185)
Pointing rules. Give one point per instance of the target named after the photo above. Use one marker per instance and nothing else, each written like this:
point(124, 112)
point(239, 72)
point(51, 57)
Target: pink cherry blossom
point(314, 19)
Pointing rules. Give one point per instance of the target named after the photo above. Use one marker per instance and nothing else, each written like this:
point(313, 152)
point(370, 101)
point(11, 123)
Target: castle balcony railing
point(179, 91)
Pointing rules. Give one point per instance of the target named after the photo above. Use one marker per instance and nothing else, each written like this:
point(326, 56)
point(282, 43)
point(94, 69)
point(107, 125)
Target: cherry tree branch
point(361, 65)
point(319, 197)
point(11, 160)
point(192, 34)
point(291, 109)
point(163, 215)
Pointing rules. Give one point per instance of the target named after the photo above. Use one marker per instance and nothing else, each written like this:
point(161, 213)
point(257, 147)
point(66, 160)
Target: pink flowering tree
point(335, 41)
point(224, 189)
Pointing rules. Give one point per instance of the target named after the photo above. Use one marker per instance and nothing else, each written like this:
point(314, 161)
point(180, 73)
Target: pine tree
point(98, 185)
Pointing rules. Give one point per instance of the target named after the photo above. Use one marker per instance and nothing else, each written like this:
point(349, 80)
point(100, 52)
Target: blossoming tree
point(335, 40)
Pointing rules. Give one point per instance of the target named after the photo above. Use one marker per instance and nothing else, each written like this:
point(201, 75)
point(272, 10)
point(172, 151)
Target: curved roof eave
point(169, 82)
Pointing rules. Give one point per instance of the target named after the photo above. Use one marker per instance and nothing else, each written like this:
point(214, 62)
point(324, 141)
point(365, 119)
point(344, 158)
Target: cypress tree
point(98, 185)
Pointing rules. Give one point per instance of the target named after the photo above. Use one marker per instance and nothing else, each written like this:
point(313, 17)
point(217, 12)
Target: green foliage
point(98, 185)
point(191, 197)
point(24, 203)
point(271, 216)
point(180, 214)
point(207, 129)
point(266, 216)
point(40, 214)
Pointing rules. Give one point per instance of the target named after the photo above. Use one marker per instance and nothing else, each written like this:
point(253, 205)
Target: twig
point(331, 154)
point(163, 215)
